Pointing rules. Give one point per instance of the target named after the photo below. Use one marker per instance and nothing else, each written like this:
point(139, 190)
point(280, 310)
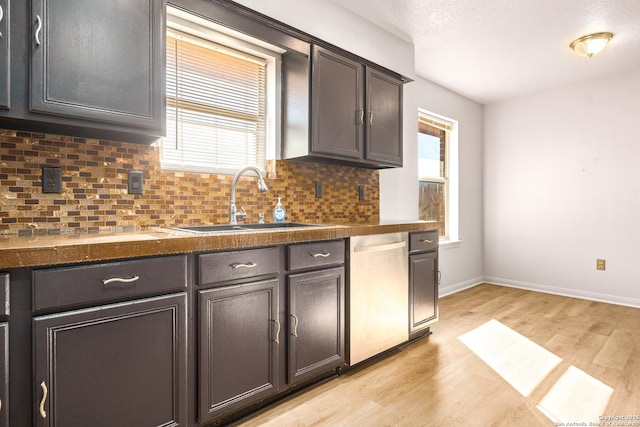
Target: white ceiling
point(489, 50)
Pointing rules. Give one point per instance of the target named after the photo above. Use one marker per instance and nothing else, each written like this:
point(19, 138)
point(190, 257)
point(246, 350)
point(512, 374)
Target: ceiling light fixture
point(590, 44)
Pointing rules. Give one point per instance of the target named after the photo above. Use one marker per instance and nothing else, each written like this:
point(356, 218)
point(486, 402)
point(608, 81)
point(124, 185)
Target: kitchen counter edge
point(40, 251)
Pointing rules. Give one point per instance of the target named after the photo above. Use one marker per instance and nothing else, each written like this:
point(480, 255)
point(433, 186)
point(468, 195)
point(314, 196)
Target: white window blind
point(216, 107)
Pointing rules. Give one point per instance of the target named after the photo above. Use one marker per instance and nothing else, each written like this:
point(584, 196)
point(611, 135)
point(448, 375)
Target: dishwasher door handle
point(385, 247)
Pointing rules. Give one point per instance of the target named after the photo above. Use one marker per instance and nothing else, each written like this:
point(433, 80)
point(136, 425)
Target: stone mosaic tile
point(94, 189)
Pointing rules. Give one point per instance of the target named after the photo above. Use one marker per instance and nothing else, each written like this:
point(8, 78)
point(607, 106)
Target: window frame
point(449, 178)
point(216, 34)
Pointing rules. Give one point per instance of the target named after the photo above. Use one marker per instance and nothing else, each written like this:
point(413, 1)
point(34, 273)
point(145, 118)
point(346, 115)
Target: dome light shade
point(590, 44)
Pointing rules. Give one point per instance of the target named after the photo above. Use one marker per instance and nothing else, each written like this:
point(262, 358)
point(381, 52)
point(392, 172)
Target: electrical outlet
point(51, 180)
point(361, 193)
point(319, 189)
point(601, 264)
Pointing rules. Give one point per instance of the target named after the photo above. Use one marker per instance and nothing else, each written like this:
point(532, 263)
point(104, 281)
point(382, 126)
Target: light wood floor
point(438, 381)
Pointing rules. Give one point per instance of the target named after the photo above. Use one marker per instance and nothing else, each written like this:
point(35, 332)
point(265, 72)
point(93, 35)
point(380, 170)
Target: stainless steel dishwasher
point(378, 294)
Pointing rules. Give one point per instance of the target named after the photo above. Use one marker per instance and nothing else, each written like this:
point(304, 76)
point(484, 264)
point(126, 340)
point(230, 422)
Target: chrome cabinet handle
point(359, 117)
point(426, 241)
point(38, 29)
point(277, 340)
point(295, 325)
point(43, 386)
point(439, 277)
point(246, 265)
point(321, 255)
point(370, 118)
point(120, 280)
point(1, 16)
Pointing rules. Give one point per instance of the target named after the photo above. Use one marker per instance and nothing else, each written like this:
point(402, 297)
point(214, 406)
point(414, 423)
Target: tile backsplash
point(94, 189)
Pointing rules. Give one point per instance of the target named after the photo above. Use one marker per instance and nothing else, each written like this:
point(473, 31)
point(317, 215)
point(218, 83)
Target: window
point(434, 141)
point(221, 98)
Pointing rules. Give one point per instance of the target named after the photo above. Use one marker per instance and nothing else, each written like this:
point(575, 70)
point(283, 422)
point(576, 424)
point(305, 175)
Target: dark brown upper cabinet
point(4, 54)
point(99, 61)
point(383, 143)
point(337, 105)
point(339, 109)
point(85, 68)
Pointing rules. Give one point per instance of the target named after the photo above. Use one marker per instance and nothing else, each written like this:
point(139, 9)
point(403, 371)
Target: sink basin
point(241, 227)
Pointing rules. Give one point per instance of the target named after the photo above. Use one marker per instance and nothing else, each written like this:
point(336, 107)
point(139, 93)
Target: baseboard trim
point(554, 290)
point(457, 287)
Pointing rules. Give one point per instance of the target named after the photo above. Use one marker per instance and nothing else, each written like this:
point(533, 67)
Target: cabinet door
point(384, 119)
point(239, 335)
point(99, 60)
point(119, 365)
point(316, 325)
point(423, 290)
point(4, 54)
point(4, 375)
point(337, 105)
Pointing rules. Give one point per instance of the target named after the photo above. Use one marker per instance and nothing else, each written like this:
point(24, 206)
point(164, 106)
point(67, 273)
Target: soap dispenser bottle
point(279, 212)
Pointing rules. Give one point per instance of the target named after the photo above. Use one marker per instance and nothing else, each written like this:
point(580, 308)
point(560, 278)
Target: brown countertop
point(34, 251)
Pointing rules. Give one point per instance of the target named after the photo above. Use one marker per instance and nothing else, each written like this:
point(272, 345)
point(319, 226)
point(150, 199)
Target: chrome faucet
point(262, 187)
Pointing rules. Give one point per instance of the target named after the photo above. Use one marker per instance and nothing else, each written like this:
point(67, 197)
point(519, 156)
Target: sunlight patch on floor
point(520, 361)
point(576, 397)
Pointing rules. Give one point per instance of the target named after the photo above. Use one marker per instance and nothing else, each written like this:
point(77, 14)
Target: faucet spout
point(262, 187)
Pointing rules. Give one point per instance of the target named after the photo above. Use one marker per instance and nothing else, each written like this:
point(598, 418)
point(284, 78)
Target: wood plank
point(438, 381)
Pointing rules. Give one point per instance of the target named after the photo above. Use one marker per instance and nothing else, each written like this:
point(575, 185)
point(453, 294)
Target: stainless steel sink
point(241, 227)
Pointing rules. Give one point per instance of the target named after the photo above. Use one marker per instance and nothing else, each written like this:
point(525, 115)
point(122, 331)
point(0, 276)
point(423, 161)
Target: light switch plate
point(134, 182)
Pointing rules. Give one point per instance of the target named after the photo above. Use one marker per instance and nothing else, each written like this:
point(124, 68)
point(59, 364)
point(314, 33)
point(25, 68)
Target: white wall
point(334, 24)
point(562, 188)
point(461, 264)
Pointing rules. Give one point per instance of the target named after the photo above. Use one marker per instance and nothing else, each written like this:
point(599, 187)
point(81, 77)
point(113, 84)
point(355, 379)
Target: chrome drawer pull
point(277, 340)
point(38, 29)
point(120, 280)
point(247, 265)
point(1, 16)
point(322, 255)
point(43, 386)
point(295, 325)
point(426, 241)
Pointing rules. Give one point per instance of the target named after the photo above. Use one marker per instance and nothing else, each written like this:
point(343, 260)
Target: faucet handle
point(241, 214)
point(261, 218)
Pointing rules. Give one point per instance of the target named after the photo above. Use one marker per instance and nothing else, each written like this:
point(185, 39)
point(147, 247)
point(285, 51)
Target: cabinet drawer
point(4, 294)
point(316, 254)
point(68, 286)
point(225, 266)
point(424, 241)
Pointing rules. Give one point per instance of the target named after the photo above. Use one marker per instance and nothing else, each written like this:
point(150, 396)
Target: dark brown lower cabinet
point(117, 365)
point(316, 324)
point(4, 374)
point(423, 290)
point(238, 346)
